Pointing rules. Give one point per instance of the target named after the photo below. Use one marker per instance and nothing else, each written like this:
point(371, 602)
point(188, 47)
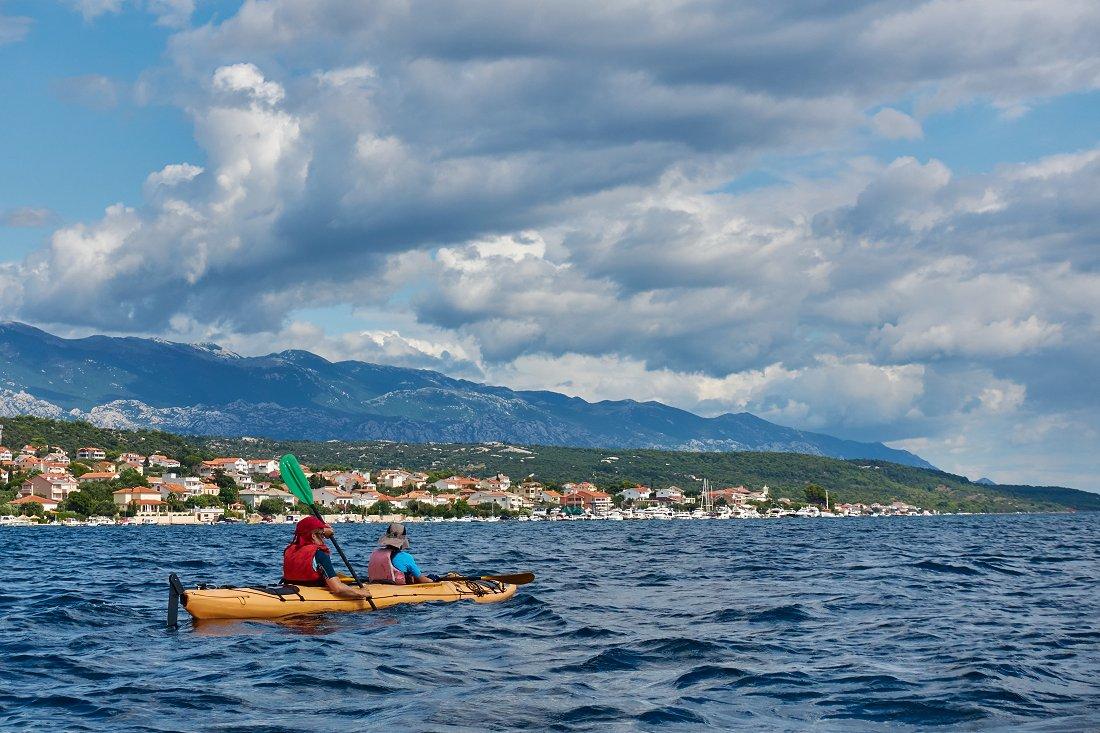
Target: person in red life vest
point(392, 563)
point(306, 560)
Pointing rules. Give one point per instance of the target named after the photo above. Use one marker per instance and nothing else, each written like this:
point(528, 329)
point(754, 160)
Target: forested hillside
point(786, 474)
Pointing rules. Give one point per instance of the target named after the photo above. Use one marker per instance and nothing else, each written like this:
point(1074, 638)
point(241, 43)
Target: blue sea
point(877, 624)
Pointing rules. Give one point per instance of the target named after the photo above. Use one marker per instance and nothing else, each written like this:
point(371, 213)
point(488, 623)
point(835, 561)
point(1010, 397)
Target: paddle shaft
point(517, 579)
point(355, 577)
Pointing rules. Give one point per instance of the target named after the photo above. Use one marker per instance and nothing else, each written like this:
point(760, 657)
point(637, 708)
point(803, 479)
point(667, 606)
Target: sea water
point(905, 623)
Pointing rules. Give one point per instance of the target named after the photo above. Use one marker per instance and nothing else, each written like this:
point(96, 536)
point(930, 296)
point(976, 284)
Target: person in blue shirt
point(392, 562)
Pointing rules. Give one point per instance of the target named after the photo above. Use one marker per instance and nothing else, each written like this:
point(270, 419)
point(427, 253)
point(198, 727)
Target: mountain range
point(203, 389)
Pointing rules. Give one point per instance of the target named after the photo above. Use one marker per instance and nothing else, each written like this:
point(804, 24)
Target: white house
point(163, 461)
point(262, 466)
point(529, 490)
point(5, 453)
point(364, 498)
point(348, 479)
point(637, 493)
point(252, 498)
point(191, 484)
point(502, 499)
point(146, 500)
point(548, 496)
point(235, 464)
point(394, 479)
point(208, 515)
point(90, 453)
point(500, 482)
point(672, 495)
point(455, 483)
point(332, 496)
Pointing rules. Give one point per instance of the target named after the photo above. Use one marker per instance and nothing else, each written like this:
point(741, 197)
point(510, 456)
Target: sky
point(878, 220)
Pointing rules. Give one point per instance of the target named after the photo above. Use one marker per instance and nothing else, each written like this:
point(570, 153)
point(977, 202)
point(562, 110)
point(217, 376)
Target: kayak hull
point(282, 601)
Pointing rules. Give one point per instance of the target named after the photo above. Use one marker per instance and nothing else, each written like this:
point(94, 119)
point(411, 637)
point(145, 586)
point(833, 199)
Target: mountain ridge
point(204, 389)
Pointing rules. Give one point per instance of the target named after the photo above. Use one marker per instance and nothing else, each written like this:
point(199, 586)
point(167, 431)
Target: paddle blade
point(295, 479)
point(516, 579)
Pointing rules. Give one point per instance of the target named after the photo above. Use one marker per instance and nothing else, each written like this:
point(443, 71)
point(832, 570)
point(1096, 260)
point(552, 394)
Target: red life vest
point(380, 569)
point(298, 563)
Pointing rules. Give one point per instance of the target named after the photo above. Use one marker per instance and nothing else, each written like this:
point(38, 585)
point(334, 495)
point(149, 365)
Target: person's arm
point(333, 583)
point(346, 591)
point(404, 562)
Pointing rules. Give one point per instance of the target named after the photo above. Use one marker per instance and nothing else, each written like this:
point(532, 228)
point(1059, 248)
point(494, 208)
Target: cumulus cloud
point(545, 204)
point(173, 174)
point(247, 79)
point(894, 125)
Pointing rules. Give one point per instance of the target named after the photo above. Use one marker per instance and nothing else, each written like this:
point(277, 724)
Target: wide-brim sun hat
point(395, 537)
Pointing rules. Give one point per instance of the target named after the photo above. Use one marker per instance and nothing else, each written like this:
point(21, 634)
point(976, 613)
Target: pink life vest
point(380, 569)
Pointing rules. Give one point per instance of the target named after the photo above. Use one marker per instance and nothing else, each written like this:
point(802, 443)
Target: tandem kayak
point(278, 601)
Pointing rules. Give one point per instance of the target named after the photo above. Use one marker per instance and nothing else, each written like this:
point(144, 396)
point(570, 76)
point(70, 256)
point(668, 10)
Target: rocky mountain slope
point(202, 389)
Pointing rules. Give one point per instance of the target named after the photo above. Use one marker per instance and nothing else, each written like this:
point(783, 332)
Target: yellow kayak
point(265, 602)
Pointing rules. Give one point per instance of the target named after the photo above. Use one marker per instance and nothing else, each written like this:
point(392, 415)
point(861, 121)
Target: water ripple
point(947, 623)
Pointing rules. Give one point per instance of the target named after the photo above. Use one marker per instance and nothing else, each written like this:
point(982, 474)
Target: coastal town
point(96, 487)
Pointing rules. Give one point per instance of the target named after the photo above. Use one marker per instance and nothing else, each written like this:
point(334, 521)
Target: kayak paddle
point(515, 579)
point(296, 481)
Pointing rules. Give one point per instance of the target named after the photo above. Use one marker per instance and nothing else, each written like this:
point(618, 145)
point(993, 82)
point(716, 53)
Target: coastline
point(188, 520)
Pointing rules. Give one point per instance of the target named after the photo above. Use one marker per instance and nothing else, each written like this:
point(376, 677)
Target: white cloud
point(92, 9)
point(543, 204)
point(248, 79)
point(895, 125)
point(93, 91)
point(27, 216)
point(14, 28)
point(168, 13)
point(171, 13)
point(173, 174)
point(346, 76)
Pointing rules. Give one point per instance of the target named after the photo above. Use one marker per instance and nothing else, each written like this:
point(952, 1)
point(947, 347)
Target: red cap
point(307, 526)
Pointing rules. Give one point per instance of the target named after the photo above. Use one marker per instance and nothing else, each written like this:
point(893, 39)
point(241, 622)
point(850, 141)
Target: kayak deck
point(260, 602)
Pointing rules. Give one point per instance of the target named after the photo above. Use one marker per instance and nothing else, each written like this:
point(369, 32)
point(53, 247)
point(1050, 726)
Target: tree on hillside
point(382, 507)
point(272, 507)
point(229, 494)
point(815, 495)
point(203, 500)
point(94, 498)
point(128, 477)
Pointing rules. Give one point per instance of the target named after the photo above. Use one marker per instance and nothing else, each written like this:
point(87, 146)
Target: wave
point(942, 567)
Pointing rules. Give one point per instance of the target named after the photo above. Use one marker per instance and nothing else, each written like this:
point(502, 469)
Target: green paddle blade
point(295, 479)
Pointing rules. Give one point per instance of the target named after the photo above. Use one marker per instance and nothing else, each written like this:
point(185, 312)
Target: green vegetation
point(272, 507)
point(787, 474)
